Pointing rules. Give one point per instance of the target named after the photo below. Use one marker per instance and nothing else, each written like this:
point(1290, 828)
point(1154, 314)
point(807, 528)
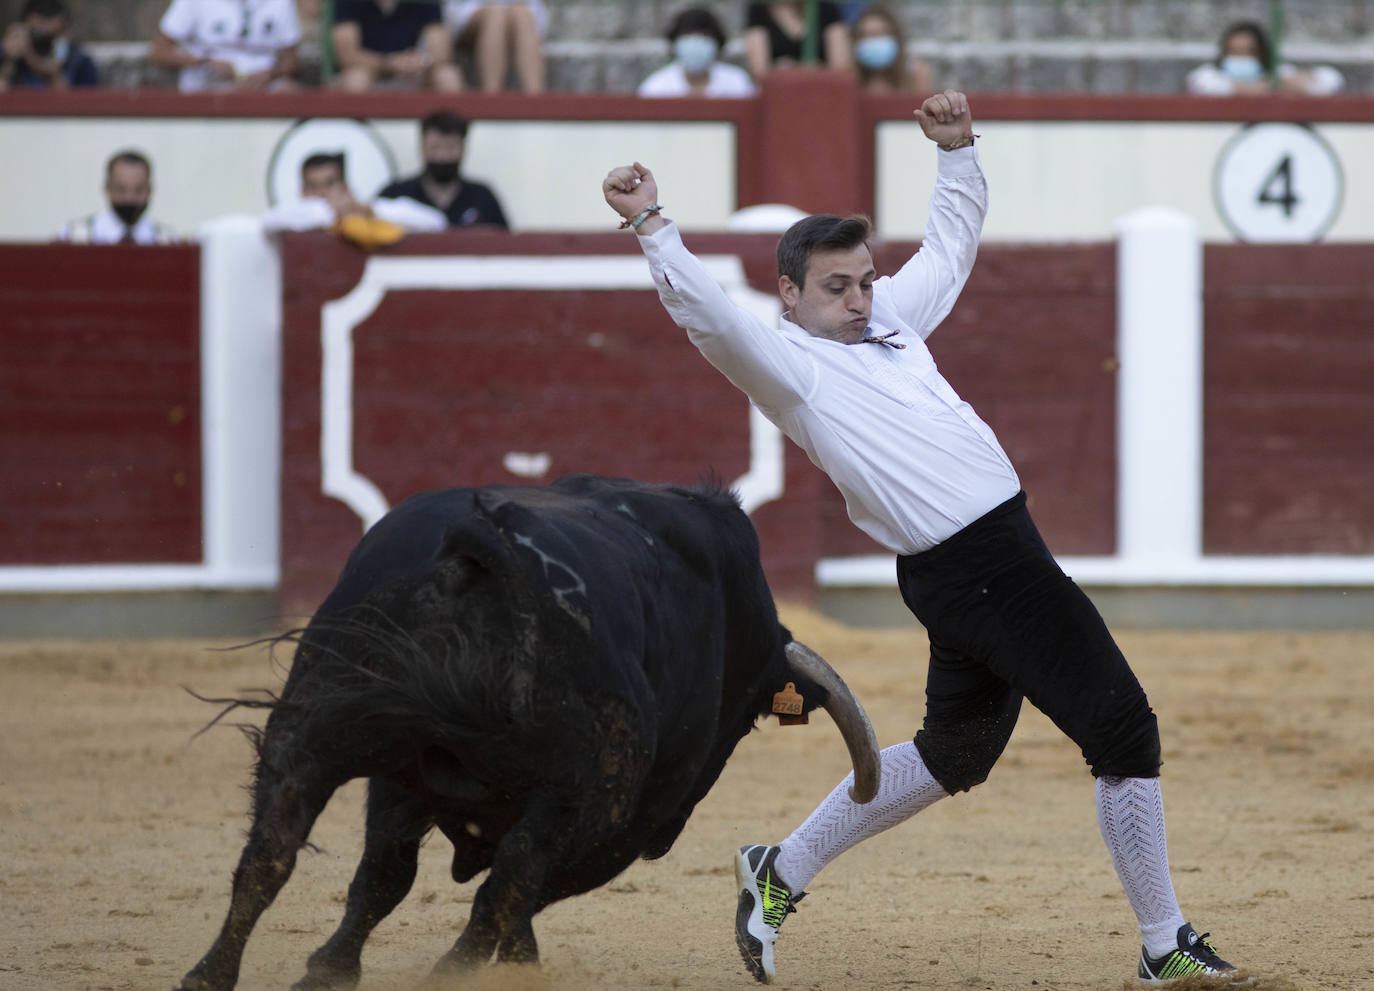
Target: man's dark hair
point(445, 122)
point(44, 8)
point(696, 20)
point(325, 158)
point(821, 232)
point(128, 157)
point(1255, 30)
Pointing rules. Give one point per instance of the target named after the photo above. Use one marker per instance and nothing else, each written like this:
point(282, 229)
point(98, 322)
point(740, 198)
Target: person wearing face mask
point(696, 38)
point(128, 188)
point(1245, 65)
point(441, 184)
point(37, 54)
point(879, 55)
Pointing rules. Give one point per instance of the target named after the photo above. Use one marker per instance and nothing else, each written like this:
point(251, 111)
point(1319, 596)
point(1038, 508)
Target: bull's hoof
point(326, 979)
point(325, 974)
point(198, 980)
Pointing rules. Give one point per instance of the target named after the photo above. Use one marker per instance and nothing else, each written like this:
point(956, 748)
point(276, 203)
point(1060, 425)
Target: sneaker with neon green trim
point(764, 901)
point(1195, 955)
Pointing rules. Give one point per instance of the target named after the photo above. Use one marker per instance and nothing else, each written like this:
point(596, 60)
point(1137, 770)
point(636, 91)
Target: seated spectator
point(880, 58)
point(441, 185)
point(37, 54)
point(128, 188)
point(501, 33)
point(226, 44)
point(400, 42)
point(695, 38)
point(1245, 64)
point(326, 200)
point(775, 33)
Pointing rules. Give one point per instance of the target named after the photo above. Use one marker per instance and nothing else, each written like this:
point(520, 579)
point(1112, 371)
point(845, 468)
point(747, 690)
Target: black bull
point(553, 677)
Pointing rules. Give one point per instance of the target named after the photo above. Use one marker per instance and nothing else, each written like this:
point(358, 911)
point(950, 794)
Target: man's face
point(128, 185)
point(44, 31)
point(322, 181)
point(444, 150)
point(837, 300)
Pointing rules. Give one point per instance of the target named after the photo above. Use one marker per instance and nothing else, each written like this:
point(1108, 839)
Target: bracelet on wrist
point(634, 222)
point(958, 143)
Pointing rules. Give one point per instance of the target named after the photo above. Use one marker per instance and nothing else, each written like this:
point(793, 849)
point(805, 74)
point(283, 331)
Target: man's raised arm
point(925, 288)
point(752, 355)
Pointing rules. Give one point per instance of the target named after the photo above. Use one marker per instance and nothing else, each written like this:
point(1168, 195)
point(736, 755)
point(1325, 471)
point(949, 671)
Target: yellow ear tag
point(787, 706)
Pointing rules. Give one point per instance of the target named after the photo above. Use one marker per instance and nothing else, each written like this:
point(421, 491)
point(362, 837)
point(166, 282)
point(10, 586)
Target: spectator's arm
point(758, 53)
point(349, 50)
point(435, 45)
point(838, 54)
point(288, 64)
point(166, 52)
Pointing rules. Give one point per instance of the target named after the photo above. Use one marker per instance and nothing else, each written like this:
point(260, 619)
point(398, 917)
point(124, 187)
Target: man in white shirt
point(128, 188)
point(229, 44)
point(848, 378)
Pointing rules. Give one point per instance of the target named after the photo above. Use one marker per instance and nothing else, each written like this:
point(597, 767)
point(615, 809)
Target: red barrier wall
point(1288, 399)
point(100, 404)
point(446, 383)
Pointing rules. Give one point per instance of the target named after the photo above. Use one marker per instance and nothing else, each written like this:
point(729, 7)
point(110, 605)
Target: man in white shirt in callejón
point(128, 188)
point(848, 378)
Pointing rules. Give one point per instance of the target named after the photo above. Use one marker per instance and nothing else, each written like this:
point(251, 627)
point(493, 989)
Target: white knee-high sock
point(904, 788)
point(1130, 813)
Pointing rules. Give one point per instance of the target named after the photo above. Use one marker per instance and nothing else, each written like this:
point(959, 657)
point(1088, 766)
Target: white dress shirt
point(247, 34)
point(724, 79)
point(106, 228)
point(914, 462)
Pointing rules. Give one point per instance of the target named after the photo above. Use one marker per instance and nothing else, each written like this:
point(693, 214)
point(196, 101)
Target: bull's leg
point(285, 805)
point(507, 900)
point(396, 823)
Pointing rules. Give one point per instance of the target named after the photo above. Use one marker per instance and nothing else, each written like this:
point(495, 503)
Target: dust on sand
point(118, 833)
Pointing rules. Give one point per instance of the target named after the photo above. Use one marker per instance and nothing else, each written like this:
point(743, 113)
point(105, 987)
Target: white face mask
point(695, 52)
point(1242, 68)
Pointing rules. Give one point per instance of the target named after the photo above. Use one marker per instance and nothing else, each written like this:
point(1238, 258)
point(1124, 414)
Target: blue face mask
point(695, 52)
point(876, 53)
point(1242, 68)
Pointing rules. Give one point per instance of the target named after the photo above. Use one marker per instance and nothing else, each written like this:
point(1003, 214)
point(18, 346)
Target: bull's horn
point(849, 717)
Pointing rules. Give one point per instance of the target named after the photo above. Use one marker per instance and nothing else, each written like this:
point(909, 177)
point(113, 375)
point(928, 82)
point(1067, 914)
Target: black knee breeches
point(1005, 622)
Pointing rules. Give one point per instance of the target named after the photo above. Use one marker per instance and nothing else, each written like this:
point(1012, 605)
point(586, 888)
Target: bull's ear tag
point(787, 706)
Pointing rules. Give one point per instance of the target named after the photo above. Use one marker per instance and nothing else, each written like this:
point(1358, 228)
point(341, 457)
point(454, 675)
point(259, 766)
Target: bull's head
point(849, 717)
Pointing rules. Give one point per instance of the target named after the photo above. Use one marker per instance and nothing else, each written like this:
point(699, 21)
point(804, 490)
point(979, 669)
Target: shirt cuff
point(959, 162)
point(665, 239)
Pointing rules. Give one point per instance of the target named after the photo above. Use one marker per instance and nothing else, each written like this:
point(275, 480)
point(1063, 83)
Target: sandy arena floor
point(118, 833)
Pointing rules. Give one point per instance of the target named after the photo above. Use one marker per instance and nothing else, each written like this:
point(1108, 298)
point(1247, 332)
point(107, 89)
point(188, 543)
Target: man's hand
point(946, 120)
point(17, 44)
point(409, 64)
point(629, 189)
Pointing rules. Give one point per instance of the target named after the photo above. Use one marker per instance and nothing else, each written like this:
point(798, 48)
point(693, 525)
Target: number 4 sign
point(1278, 182)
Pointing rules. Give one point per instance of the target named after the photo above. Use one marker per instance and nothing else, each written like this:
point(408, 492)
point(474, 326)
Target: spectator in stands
point(695, 38)
point(1245, 64)
point(441, 184)
point(37, 54)
point(327, 203)
point(774, 34)
point(128, 187)
point(396, 42)
point(501, 33)
point(228, 44)
point(880, 58)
